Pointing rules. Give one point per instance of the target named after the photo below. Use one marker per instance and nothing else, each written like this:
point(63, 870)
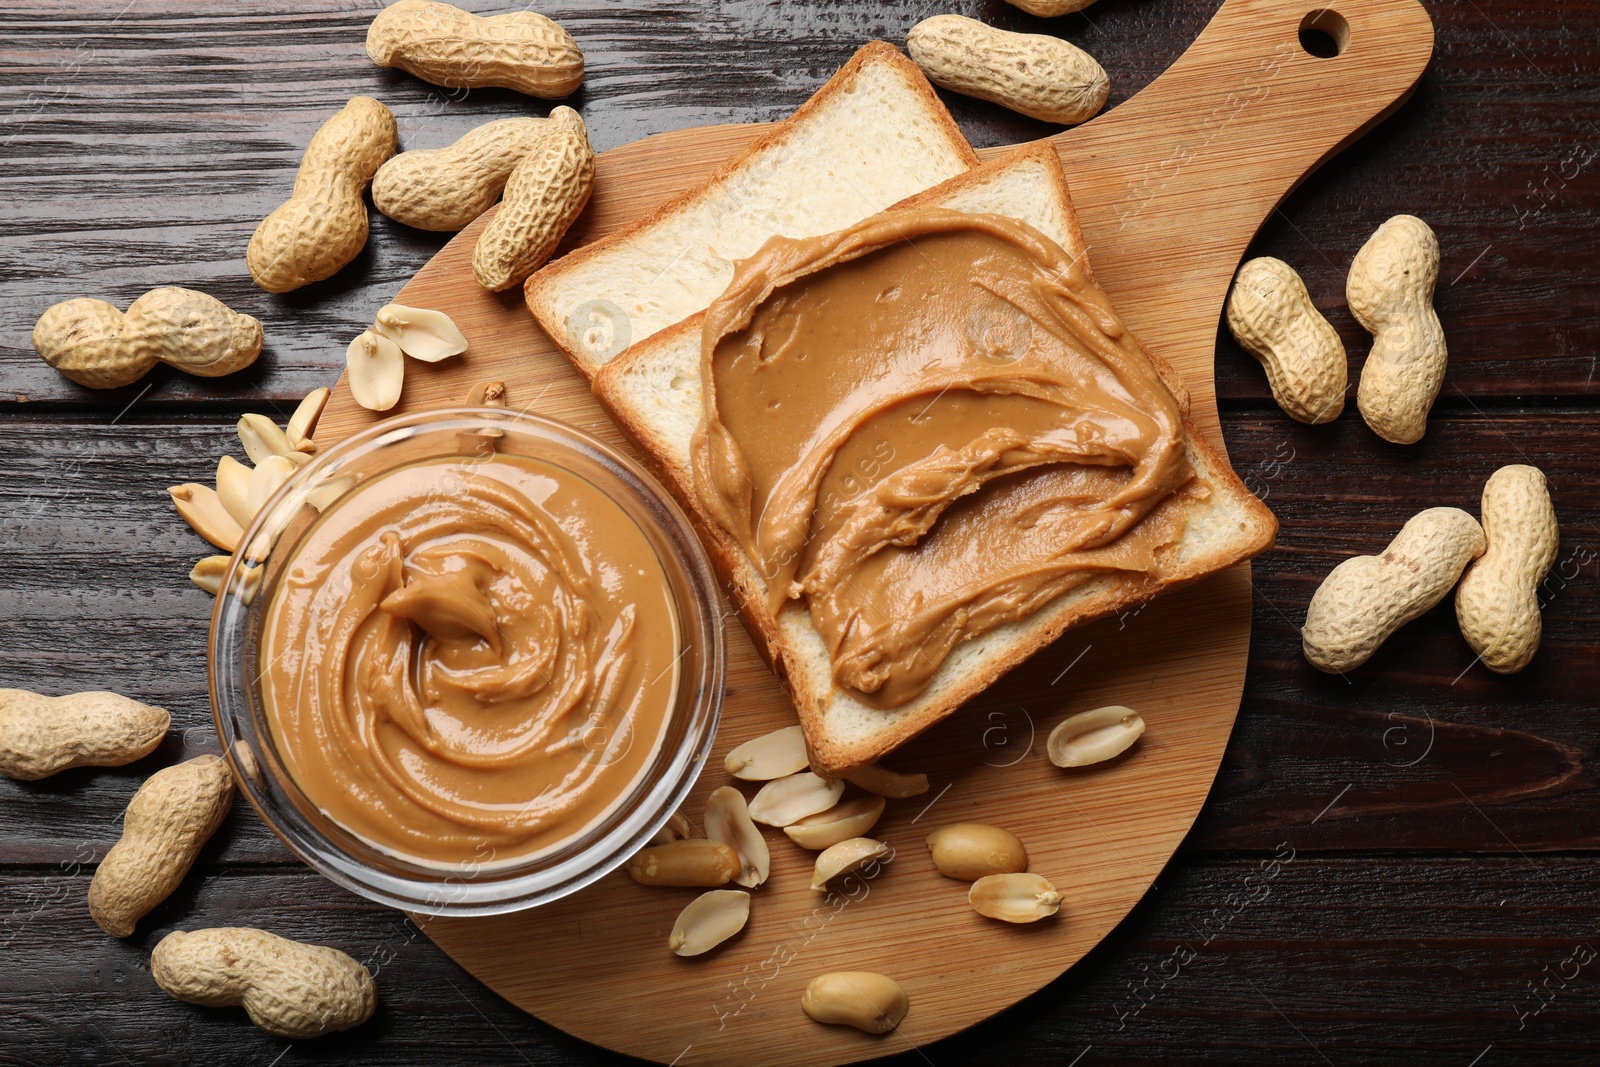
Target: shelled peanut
point(374, 362)
point(1094, 736)
point(221, 514)
point(869, 1001)
point(708, 921)
point(968, 851)
point(810, 809)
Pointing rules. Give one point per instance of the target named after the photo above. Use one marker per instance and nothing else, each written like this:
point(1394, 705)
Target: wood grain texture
point(146, 142)
point(143, 143)
point(1252, 962)
point(90, 552)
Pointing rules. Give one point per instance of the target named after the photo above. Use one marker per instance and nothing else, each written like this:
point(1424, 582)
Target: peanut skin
point(287, 988)
point(447, 46)
point(41, 736)
point(168, 820)
point(1367, 598)
point(323, 225)
point(1390, 291)
point(95, 345)
point(1497, 602)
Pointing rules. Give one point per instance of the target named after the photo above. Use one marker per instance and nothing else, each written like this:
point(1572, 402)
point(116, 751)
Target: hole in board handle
point(1324, 33)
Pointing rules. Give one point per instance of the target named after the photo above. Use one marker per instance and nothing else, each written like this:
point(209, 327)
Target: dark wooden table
point(1399, 866)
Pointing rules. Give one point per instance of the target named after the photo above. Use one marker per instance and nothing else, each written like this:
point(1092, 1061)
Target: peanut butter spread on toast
point(928, 426)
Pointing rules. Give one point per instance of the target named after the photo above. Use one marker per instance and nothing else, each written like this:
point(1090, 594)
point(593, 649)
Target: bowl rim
point(700, 693)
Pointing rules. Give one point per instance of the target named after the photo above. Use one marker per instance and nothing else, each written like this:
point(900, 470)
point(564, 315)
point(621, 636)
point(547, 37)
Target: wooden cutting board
point(1171, 186)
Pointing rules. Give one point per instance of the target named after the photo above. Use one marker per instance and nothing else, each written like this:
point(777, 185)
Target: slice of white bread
point(654, 391)
point(873, 135)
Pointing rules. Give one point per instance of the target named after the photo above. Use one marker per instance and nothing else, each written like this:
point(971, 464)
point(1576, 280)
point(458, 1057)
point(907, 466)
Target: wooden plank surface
point(141, 151)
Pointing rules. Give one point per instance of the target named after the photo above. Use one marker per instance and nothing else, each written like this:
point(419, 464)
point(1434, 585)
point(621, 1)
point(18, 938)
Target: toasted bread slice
point(654, 390)
point(873, 135)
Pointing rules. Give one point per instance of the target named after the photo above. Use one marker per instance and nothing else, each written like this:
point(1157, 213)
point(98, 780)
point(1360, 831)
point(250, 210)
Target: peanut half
point(41, 736)
point(728, 821)
point(242, 491)
point(261, 438)
point(791, 798)
point(544, 195)
point(846, 819)
point(1014, 898)
point(376, 369)
point(1390, 292)
point(1497, 602)
point(866, 1000)
point(287, 988)
point(689, 862)
point(209, 572)
point(886, 783)
point(266, 479)
point(1094, 736)
point(709, 920)
point(971, 850)
point(172, 815)
point(1041, 77)
point(446, 188)
point(327, 491)
point(201, 507)
point(846, 858)
point(304, 420)
point(675, 829)
point(447, 46)
point(1271, 315)
point(323, 224)
point(233, 489)
point(775, 755)
point(95, 345)
point(420, 333)
point(1366, 598)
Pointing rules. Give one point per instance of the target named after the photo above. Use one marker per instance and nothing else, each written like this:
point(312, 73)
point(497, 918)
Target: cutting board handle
point(1176, 181)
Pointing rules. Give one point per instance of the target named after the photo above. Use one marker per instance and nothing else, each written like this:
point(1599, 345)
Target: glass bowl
point(421, 885)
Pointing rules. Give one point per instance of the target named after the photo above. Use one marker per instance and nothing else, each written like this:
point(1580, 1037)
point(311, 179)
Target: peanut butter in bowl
point(466, 665)
point(479, 677)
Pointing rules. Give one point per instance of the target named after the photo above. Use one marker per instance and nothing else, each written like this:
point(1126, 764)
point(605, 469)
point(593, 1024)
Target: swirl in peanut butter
point(469, 662)
point(929, 426)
